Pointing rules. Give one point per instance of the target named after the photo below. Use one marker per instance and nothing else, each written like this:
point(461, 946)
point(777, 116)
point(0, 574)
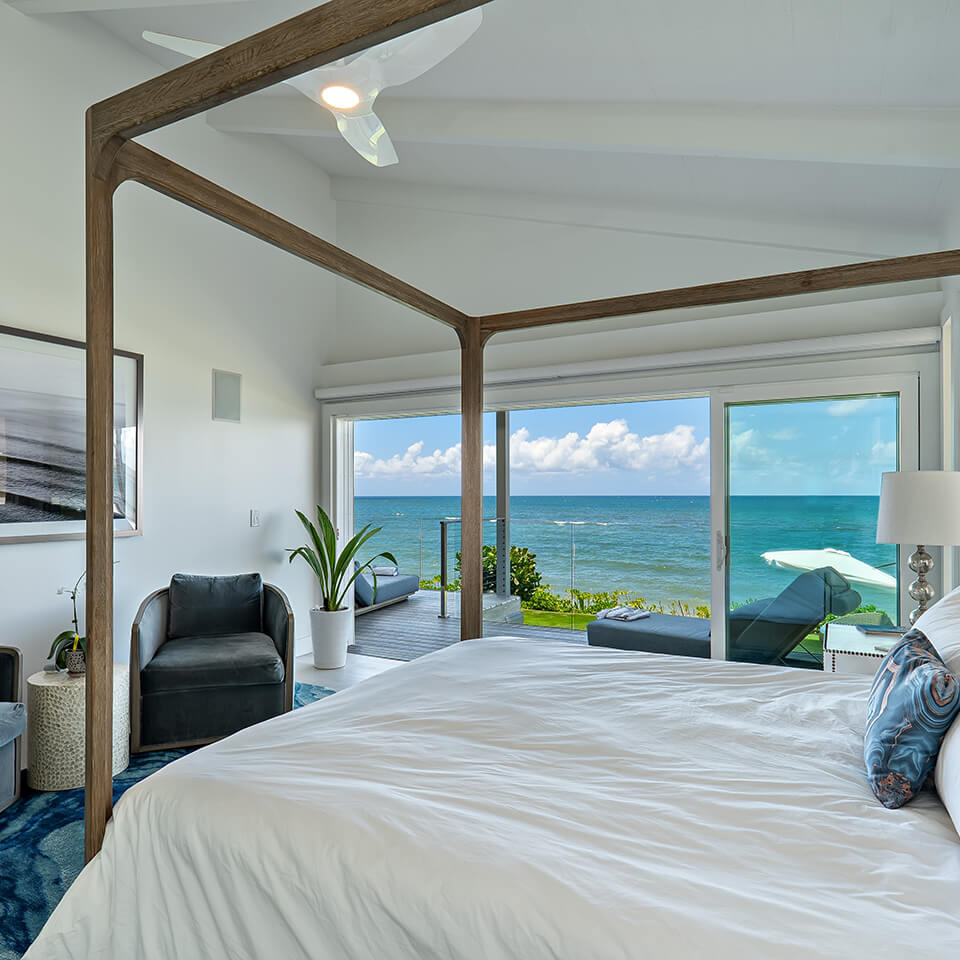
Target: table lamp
point(921, 507)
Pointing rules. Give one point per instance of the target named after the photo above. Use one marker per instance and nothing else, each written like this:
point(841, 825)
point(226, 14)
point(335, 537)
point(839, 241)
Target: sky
point(653, 447)
point(817, 448)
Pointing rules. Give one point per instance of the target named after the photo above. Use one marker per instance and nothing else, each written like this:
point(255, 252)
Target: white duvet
point(522, 799)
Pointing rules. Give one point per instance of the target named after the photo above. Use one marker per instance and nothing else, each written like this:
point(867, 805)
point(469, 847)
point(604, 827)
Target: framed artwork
point(43, 438)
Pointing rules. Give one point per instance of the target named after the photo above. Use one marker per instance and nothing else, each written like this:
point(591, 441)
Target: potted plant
point(69, 648)
point(331, 625)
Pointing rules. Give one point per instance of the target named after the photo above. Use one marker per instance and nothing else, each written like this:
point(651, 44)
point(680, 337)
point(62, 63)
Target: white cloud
point(847, 408)
point(885, 453)
point(412, 462)
point(607, 446)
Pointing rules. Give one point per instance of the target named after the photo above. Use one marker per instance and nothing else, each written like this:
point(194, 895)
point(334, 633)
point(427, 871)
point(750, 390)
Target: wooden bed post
point(471, 482)
point(98, 801)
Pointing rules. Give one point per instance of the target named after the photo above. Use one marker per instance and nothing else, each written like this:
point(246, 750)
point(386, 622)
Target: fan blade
point(189, 48)
point(366, 134)
point(406, 58)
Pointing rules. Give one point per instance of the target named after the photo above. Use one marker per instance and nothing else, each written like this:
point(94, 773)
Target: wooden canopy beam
point(302, 43)
point(923, 266)
point(319, 36)
point(136, 162)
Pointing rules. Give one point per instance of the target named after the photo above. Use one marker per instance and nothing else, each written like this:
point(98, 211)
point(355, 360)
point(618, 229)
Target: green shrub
point(524, 578)
point(583, 601)
point(526, 583)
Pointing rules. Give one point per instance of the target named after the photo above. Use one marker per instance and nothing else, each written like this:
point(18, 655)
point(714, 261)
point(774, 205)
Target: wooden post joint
point(102, 154)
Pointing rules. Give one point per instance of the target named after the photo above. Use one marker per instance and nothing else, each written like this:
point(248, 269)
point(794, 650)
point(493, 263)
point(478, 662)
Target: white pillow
point(941, 625)
point(946, 774)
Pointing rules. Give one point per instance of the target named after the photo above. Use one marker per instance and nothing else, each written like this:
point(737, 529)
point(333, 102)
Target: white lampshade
point(920, 506)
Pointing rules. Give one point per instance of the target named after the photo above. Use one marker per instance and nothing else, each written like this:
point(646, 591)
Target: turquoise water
point(658, 547)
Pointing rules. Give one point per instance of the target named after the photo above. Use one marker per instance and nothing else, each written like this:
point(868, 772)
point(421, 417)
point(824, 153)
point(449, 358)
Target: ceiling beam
point(38, 8)
point(136, 162)
point(857, 135)
point(334, 30)
point(924, 266)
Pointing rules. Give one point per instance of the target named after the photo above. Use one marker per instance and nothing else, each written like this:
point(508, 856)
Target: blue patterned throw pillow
point(913, 701)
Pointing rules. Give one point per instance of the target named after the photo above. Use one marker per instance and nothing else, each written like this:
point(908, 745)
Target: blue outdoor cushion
point(13, 721)
point(388, 588)
point(913, 701)
point(206, 606)
point(658, 633)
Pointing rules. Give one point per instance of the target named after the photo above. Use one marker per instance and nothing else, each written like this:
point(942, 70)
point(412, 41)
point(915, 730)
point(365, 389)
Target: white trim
point(335, 487)
point(947, 565)
point(624, 367)
point(718, 527)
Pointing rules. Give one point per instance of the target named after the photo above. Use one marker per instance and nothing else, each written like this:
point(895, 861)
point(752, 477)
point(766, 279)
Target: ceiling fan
point(349, 87)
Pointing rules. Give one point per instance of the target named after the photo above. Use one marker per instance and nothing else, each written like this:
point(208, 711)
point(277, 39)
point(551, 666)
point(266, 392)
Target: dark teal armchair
point(208, 656)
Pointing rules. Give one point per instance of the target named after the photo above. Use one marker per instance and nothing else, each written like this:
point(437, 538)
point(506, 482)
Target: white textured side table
point(56, 725)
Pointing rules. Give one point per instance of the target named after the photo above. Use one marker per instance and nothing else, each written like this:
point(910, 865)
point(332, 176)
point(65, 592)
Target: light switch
point(254, 518)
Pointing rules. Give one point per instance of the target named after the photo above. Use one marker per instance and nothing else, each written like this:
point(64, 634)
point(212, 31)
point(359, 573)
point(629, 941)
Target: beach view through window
point(610, 505)
point(612, 500)
point(804, 485)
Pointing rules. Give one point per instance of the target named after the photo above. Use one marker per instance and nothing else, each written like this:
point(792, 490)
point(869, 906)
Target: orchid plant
point(69, 639)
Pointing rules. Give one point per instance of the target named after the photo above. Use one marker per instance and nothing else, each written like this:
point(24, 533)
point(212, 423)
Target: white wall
point(192, 294)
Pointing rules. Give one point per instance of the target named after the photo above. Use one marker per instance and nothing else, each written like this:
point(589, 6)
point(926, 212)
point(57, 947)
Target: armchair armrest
point(146, 637)
point(149, 629)
point(278, 625)
point(11, 665)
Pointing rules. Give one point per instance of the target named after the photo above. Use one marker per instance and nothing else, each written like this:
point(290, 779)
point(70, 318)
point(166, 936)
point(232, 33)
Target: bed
point(527, 799)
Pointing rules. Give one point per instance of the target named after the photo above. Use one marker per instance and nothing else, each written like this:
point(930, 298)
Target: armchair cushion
point(206, 606)
point(230, 660)
point(13, 721)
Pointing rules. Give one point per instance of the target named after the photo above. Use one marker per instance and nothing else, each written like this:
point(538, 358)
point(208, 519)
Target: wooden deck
point(405, 631)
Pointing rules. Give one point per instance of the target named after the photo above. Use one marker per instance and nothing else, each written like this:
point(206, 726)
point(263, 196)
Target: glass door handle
point(721, 549)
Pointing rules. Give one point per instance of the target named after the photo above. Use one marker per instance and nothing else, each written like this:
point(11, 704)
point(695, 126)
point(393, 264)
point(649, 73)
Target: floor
point(358, 668)
point(412, 628)
point(404, 631)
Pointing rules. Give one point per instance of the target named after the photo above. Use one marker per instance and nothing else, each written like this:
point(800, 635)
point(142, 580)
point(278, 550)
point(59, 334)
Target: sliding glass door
point(795, 530)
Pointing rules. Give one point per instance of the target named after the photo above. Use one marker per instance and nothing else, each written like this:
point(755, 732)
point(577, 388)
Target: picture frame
point(43, 438)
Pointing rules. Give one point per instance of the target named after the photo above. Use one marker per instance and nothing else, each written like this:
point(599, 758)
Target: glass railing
point(656, 557)
point(564, 570)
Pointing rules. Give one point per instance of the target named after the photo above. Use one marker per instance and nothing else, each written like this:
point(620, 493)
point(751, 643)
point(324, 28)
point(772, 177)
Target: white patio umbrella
point(849, 567)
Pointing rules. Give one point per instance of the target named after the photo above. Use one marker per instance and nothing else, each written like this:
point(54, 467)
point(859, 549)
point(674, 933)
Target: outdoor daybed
point(763, 631)
point(388, 590)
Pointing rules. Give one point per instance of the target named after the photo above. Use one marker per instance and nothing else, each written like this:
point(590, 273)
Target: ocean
point(657, 547)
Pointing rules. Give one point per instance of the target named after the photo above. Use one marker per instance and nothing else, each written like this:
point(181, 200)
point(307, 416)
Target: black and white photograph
point(43, 438)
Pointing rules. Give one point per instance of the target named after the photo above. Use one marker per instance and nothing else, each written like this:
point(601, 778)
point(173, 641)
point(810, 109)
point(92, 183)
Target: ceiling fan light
point(340, 97)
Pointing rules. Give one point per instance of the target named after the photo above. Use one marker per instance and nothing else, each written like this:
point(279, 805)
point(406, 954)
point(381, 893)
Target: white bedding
point(514, 798)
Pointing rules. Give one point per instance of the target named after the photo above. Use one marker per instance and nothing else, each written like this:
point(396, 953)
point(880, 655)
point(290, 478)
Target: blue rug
point(41, 844)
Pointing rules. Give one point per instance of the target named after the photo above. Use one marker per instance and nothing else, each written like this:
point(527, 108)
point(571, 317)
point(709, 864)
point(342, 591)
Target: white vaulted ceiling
point(640, 143)
point(777, 109)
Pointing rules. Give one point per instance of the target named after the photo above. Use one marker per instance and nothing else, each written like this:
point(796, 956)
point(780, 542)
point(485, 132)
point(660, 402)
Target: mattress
point(527, 799)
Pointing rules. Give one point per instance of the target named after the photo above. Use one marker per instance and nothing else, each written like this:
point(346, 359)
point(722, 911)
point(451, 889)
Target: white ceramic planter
point(332, 633)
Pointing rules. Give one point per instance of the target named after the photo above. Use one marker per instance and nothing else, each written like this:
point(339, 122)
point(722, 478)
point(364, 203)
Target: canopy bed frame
point(302, 43)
